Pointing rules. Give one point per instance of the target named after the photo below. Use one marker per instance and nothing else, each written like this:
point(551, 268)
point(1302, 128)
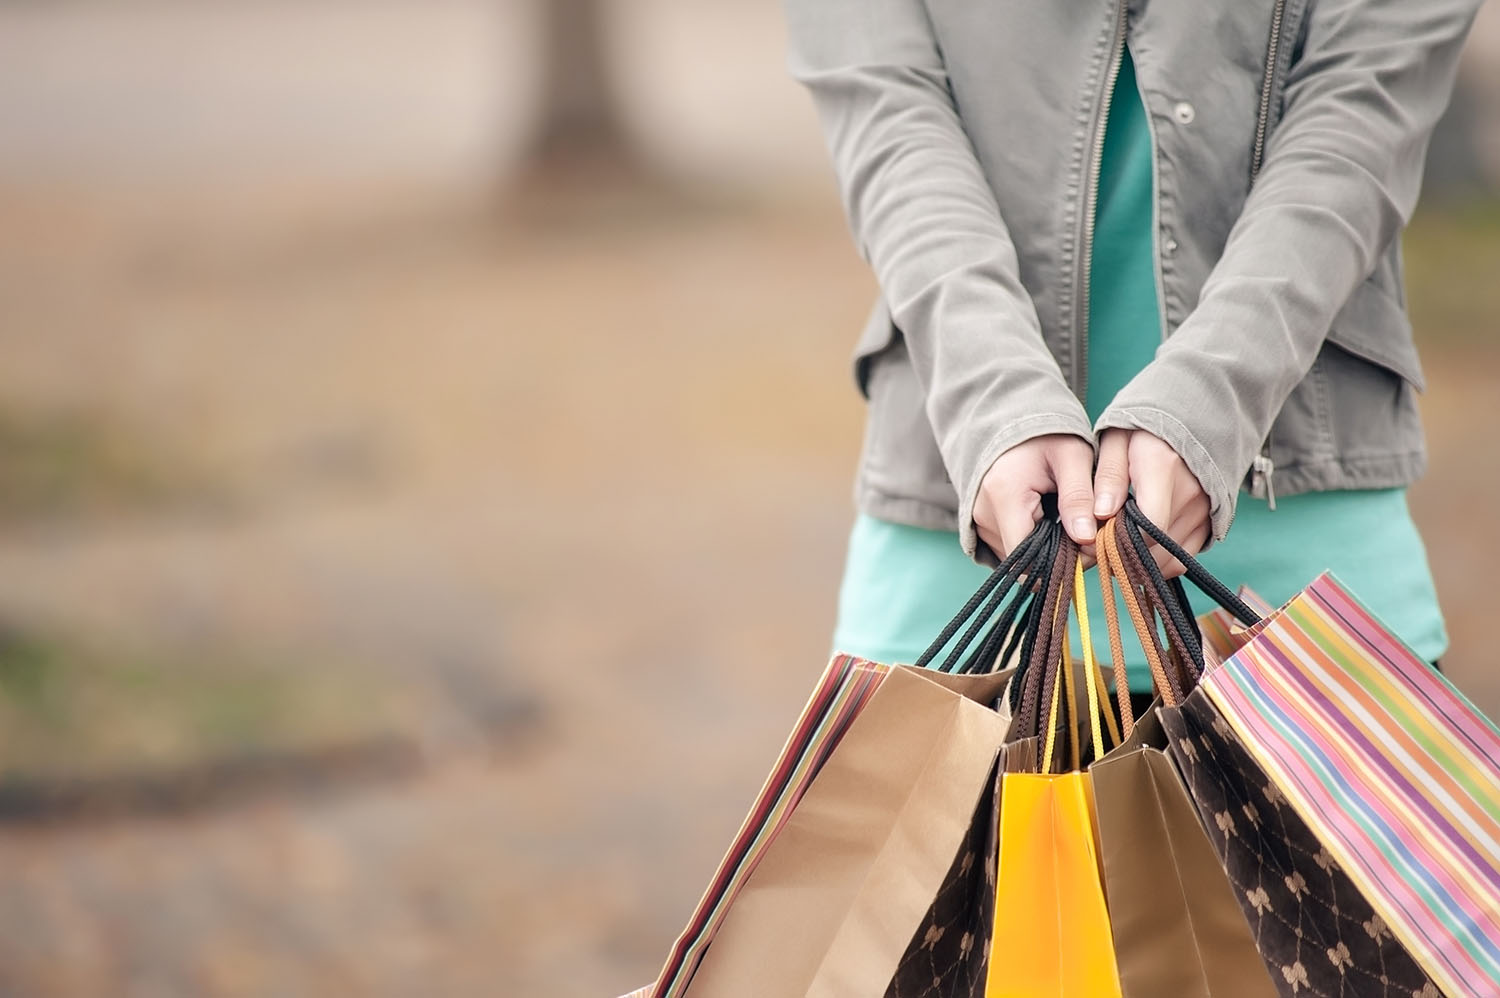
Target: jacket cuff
point(1016, 432)
point(1222, 495)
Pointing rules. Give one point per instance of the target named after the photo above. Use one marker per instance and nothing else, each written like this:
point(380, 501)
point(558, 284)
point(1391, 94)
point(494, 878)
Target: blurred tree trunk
point(580, 128)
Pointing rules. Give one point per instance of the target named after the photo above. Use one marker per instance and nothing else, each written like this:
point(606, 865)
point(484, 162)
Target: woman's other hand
point(1167, 493)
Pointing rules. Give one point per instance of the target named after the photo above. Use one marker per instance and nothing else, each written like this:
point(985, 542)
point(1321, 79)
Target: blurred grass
point(71, 464)
point(1452, 255)
point(71, 710)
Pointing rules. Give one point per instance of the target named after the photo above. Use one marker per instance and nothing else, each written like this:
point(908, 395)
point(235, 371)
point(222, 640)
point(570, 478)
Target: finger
point(1169, 566)
point(1112, 476)
point(1191, 536)
point(992, 540)
point(1190, 529)
point(1072, 463)
point(1017, 516)
point(1152, 478)
point(1191, 525)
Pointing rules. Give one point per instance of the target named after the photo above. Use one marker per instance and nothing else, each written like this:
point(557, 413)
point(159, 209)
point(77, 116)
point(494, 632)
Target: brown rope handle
point(1029, 717)
point(1067, 555)
point(1122, 566)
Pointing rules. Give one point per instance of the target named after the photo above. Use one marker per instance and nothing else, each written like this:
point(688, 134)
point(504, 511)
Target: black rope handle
point(982, 607)
point(1169, 600)
point(1035, 622)
point(998, 576)
point(987, 657)
point(1196, 573)
point(981, 597)
point(968, 653)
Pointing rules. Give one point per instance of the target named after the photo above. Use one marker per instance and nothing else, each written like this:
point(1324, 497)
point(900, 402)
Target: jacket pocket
point(1374, 327)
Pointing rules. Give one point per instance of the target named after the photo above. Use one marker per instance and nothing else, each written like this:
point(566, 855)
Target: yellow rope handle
point(1112, 726)
point(1090, 667)
point(1069, 684)
point(1051, 731)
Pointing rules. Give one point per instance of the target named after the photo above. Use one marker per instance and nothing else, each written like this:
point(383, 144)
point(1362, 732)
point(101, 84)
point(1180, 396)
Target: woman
point(1148, 246)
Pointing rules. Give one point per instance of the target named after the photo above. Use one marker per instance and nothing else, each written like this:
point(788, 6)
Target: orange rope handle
point(1112, 621)
point(1144, 631)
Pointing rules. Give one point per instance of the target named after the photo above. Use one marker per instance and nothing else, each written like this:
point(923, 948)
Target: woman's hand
point(1009, 503)
point(1166, 491)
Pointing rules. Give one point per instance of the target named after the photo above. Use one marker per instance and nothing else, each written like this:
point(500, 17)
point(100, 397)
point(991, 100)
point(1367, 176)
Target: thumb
point(1072, 464)
point(1112, 477)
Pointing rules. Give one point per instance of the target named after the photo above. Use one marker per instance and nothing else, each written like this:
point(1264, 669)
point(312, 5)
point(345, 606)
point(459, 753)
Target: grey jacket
point(1289, 138)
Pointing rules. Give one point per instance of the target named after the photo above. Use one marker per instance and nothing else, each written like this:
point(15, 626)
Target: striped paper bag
point(1392, 769)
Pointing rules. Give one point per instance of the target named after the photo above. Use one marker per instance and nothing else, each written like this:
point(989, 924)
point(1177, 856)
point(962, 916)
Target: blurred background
point(425, 450)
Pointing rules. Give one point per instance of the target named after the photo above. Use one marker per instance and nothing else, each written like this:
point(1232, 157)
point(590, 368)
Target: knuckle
point(1075, 495)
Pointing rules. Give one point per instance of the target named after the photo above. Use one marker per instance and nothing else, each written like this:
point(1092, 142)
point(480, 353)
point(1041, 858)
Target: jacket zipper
point(1091, 204)
point(1263, 468)
point(1263, 119)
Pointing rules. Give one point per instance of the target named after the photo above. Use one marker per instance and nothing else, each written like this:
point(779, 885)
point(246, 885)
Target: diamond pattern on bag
point(1314, 929)
point(948, 956)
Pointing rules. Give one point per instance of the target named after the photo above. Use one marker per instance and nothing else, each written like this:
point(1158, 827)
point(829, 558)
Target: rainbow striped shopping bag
point(1396, 773)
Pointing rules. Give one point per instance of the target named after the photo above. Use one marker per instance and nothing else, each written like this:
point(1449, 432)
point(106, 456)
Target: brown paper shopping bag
point(859, 827)
point(830, 909)
point(1178, 929)
point(1177, 926)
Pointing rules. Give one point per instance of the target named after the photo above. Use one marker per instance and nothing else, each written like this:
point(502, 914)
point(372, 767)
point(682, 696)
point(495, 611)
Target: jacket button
point(1184, 112)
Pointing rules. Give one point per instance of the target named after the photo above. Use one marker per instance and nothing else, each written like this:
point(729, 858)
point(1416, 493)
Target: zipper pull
point(1261, 486)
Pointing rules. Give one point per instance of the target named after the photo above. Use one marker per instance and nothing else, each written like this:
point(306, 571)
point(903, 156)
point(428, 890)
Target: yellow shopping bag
point(1052, 937)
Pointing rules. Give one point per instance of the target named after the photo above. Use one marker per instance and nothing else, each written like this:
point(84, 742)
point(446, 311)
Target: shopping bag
point(1051, 934)
point(1316, 931)
point(1177, 927)
point(846, 686)
point(948, 955)
point(833, 901)
point(1392, 769)
point(856, 830)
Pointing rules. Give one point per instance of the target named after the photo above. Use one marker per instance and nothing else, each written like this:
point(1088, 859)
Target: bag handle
point(1091, 680)
point(1112, 569)
point(982, 607)
point(1000, 644)
point(1038, 616)
point(1041, 680)
point(1196, 573)
point(1183, 651)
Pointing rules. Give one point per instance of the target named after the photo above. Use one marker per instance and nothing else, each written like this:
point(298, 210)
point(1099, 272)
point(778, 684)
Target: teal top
point(903, 583)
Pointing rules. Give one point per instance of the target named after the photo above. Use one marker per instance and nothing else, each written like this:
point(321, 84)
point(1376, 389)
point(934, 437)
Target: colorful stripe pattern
point(1222, 634)
point(1394, 769)
point(847, 685)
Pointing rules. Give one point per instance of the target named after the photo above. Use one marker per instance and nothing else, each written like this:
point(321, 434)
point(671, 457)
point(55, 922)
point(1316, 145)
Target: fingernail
point(1083, 528)
point(1104, 504)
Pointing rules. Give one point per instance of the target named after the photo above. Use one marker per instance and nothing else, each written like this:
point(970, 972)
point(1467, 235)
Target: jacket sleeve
point(925, 218)
point(1340, 179)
